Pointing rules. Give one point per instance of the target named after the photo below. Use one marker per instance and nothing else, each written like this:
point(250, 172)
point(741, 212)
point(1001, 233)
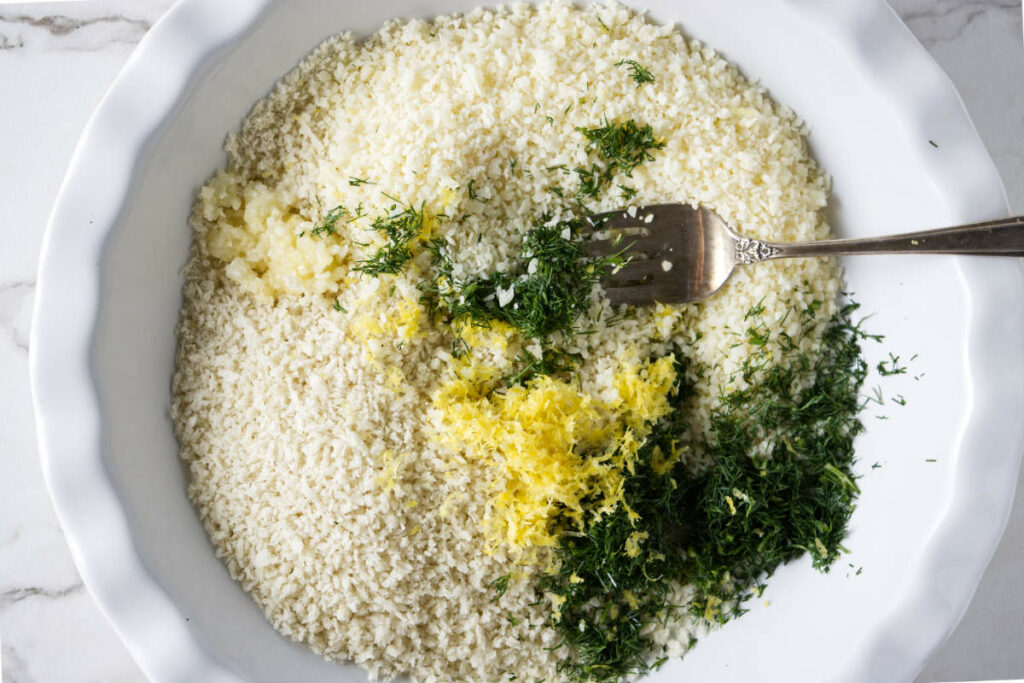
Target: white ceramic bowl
point(109, 291)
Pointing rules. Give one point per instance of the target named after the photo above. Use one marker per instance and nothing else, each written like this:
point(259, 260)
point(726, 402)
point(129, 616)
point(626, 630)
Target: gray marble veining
point(18, 31)
point(935, 21)
point(16, 595)
point(15, 311)
point(77, 26)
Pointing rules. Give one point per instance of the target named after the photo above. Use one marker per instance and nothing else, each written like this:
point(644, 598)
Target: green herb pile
point(620, 147)
point(726, 529)
point(547, 293)
point(638, 73)
point(401, 227)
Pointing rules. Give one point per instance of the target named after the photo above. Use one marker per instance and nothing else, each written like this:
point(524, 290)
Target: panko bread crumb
point(303, 391)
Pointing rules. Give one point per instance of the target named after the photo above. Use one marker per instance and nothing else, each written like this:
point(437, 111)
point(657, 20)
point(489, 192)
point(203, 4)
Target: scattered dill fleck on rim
point(400, 228)
point(327, 225)
point(359, 181)
point(932, 143)
point(637, 72)
point(891, 366)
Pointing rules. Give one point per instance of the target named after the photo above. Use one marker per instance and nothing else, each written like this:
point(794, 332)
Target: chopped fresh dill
point(891, 367)
point(550, 362)
point(638, 73)
point(359, 181)
point(756, 310)
point(400, 227)
point(471, 191)
point(327, 225)
point(339, 307)
point(546, 293)
point(781, 486)
point(592, 180)
point(623, 146)
point(500, 586)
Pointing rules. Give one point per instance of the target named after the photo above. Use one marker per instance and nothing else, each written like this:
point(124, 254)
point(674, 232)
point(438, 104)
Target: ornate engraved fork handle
point(1001, 237)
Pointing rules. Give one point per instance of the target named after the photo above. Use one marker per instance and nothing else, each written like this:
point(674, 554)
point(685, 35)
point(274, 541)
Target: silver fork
point(677, 253)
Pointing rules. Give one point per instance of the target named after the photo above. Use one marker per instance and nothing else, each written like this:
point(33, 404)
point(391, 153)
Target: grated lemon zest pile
point(402, 320)
point(495, 337)
point(557, 453)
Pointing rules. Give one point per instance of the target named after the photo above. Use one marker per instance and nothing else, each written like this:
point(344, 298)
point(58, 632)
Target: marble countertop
point(56, 61)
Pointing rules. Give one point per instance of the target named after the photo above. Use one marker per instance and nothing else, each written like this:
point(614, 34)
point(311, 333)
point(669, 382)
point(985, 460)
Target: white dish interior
point(103, 339)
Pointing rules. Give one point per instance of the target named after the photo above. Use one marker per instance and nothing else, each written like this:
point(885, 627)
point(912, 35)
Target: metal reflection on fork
point(678, 253)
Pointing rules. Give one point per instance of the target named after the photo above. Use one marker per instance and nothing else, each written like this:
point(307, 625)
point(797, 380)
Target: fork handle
point(1000, 237)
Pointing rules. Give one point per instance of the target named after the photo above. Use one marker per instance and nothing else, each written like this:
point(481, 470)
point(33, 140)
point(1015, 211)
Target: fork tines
point(648, 238)
point(637, 230)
